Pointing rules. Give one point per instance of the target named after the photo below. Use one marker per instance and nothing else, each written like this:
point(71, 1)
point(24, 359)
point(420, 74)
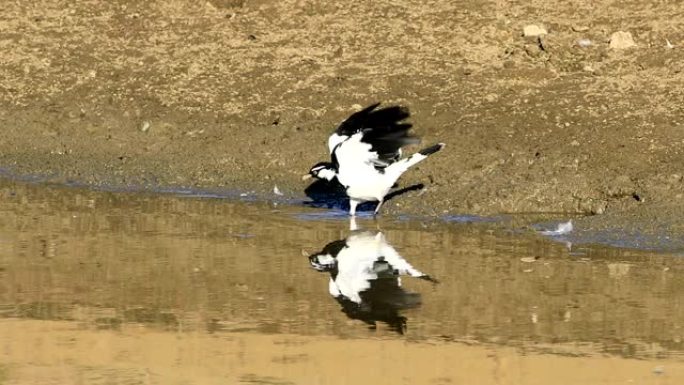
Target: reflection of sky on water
point(616, 237)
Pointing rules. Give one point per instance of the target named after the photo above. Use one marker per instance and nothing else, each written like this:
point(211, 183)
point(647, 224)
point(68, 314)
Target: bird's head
point(322, 262)
point(322, 170)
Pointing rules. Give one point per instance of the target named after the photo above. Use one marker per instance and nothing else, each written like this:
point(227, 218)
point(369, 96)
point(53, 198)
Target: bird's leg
point(352, 206)
point(353, 226)
point(377, 208)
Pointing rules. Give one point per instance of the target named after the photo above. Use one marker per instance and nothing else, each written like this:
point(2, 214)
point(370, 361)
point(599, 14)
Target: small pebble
point(533, 30)
point(277, 191)
point(621, 40)
point(584, 43)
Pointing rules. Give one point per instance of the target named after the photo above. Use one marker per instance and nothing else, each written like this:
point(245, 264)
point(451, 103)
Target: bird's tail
point(432, 149)
point(401, 166)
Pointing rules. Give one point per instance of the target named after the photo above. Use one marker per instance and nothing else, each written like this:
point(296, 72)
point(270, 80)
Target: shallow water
point(128, 288)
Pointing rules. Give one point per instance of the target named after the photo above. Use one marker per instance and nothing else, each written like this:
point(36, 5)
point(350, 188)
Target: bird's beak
point(306, 176)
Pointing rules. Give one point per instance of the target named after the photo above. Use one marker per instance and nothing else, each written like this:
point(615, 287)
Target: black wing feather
point(356, 121)
point(333, 248)
point(384, 129)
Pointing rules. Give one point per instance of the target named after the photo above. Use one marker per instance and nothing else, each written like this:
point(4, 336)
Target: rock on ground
point(621, 40)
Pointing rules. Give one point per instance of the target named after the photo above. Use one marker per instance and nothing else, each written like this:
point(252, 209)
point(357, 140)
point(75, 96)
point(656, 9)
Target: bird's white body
point(358, 171)
point(366, 154)
point(334, 140)
point(356, 261)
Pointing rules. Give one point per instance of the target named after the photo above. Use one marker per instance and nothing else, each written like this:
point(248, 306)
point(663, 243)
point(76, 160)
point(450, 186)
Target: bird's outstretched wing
point(385, 129)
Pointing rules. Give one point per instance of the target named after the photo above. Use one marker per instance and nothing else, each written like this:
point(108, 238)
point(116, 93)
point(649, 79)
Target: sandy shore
point(139, 355)
point(243, 94)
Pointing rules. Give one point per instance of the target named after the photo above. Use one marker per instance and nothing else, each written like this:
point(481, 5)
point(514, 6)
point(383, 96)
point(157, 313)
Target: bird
point(366, 155)
point(365, 278)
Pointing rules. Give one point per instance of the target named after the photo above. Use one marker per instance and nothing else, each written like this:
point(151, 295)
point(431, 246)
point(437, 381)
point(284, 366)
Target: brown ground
point(241, 93)
point(135, 355)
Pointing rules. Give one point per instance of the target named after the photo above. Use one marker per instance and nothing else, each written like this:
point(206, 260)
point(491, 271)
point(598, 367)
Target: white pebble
point(533, 30)
point(145, 126)
point(621, 40)
point(562, 228)
point(584, 43)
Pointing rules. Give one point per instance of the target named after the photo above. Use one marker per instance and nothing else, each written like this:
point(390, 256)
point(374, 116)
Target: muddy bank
point(243, 94)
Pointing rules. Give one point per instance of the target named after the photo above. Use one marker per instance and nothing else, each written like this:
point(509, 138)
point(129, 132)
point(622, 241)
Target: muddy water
point(122, 288)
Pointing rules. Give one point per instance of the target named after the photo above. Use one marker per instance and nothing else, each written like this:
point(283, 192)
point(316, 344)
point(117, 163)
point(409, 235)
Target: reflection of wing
point(397, 261)
point(354, 270)
point(365, 275)
point(382, 302)
point(383, 130)
point(369, 257)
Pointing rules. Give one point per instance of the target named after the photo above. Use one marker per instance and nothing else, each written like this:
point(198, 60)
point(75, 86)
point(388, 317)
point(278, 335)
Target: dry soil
point(242, 94)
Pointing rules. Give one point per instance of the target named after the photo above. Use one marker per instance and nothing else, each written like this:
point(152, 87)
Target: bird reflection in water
point(365, 278)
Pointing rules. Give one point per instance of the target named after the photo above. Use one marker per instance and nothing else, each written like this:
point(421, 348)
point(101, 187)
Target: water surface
point(128, 288)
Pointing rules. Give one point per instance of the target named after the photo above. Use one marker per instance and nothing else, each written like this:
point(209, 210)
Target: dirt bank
point(233, 93)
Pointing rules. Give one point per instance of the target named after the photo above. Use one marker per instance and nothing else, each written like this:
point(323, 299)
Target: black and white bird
point(365, 278)
point(366, 154)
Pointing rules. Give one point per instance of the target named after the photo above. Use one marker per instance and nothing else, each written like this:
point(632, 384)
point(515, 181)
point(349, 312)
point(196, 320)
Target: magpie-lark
point(366, 154)
point(365, 278)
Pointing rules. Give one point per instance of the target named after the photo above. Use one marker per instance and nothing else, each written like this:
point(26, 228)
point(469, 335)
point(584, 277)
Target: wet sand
point(71, 354)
